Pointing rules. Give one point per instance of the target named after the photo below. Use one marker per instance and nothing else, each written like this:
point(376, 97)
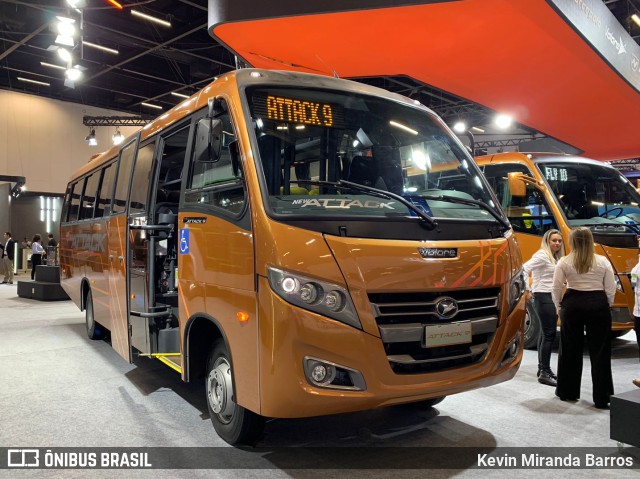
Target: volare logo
point(635, 63)
point(618, 45)
point(446, 307)
point(438, 252)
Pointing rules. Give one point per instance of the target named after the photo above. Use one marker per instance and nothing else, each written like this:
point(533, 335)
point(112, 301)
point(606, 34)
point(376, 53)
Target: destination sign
point(555, 174)
point(298, 110)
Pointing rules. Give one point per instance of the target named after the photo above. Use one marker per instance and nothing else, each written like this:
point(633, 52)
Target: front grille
point(402, 317)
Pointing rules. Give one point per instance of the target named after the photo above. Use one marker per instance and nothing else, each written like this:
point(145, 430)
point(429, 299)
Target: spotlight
point(64, 54)
point(460, 127)
point(17, 189)
point(91, 138)
point(73, 74)
point(66, 31)
point(117, 137)
point(503, 121)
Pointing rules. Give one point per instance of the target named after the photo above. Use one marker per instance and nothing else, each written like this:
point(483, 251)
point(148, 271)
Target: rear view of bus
point(336, 249)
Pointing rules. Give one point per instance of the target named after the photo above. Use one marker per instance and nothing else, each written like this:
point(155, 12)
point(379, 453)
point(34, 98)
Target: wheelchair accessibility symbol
point(184, 241)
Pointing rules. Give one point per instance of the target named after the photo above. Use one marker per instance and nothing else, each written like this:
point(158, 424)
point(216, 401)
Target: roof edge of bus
point(534, 156)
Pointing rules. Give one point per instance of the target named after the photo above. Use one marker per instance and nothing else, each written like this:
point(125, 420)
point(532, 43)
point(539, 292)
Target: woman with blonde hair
point(541, 267)
point(585, 307)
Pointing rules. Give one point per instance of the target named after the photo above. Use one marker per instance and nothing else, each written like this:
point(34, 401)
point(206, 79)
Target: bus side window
point(103, 198)
point(127, 154)
point(141, 179)
point(67, 202)
point(74, 206)
point(89, 197)
point(219, 184)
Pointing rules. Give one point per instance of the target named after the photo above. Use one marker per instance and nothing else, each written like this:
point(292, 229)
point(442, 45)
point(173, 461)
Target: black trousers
point(585, 311)
point(36, 259)
point(546, 311)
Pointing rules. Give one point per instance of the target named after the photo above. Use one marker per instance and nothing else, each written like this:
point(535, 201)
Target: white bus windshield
point(312, 142)
point(592, 194)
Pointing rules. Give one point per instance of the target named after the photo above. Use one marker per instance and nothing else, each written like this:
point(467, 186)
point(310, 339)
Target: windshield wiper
point(465, 201)
point(431, 223)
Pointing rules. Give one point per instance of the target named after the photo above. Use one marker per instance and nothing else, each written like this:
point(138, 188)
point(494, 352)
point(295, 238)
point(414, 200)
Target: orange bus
point(539, 191)
point(307, 245)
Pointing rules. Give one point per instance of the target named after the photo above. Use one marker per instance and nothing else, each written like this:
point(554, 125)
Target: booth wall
point(43, 139)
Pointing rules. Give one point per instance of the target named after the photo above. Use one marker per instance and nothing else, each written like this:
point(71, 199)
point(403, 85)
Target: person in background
point(8, 253)
point(52, 241)
point(36, 254)
point(25, 243)
point(541, 266)
point(585, 308)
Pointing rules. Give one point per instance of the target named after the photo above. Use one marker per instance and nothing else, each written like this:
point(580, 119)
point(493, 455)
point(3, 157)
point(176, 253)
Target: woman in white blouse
point(585, 307)
point(541, 266)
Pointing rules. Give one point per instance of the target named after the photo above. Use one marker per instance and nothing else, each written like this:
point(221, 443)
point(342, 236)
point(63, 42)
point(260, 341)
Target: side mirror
point(208, 140)
point(517, 186)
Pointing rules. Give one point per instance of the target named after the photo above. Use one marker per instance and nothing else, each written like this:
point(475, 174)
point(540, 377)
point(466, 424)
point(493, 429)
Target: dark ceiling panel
point(153, 60)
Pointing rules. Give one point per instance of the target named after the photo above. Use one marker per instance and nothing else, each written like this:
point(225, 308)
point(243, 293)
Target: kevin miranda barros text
point(533, 460)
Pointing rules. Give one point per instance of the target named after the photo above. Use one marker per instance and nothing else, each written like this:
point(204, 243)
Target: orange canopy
point(517, 57)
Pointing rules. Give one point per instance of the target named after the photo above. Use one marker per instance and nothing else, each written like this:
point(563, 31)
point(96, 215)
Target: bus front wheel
point(94, 330)
point(233, 423)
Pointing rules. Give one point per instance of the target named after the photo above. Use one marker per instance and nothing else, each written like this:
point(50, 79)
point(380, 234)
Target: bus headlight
point(516, 290)
point(321, 297)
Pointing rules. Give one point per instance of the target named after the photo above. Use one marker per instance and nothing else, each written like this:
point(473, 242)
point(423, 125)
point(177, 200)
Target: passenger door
point(138, 258)
point(118, 230)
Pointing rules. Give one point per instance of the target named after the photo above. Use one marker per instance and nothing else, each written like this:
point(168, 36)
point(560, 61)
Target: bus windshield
point(592, 194)
point(314, 143)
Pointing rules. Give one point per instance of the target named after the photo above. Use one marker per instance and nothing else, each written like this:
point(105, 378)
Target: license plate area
point(436, 335)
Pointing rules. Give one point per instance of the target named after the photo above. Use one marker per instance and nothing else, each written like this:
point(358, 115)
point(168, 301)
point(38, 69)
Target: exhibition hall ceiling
point(147, 65)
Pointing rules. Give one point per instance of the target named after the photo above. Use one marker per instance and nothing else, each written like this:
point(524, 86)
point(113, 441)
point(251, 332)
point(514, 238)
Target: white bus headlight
point(310, 294)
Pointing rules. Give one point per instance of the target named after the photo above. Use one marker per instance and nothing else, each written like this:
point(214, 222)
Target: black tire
point(94, 330)
point(233, 423)
point(531, 328)
point(428, 403)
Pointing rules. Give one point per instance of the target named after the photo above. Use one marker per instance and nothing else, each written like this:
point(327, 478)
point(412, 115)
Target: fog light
point(325, 374)
point(319, 373)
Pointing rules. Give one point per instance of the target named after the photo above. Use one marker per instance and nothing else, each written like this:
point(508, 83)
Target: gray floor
point(58, 389)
